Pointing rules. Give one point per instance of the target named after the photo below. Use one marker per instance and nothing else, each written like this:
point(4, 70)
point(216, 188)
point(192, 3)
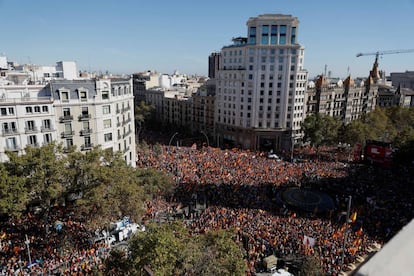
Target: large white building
point(81, 113)
point(261, 85)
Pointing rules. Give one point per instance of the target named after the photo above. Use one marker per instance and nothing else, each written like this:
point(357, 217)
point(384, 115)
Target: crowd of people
point(238, 190)
point(60, 246)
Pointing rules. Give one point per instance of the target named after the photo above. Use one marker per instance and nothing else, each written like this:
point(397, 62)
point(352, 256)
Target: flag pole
point(346, 229)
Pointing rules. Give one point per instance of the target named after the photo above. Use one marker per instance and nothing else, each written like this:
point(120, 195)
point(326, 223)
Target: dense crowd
point(60, 246)
point(238, 189)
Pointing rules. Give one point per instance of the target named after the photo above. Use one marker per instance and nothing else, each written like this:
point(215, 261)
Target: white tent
point(395, 258)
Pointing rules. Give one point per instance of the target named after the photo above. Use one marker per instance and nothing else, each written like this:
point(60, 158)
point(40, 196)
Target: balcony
point(34, 145)
point(127, 133)
point(124, 122)
point(30, 130)
point(118, 110)
point(118, 124)
point(46, 129)
point(86, 131)
point(65, 118)
point(126, 108)
point(9, 132)
point(87, 146)
point(84, 117)
point(67, 134)
point(13, 148)
point(126, 149)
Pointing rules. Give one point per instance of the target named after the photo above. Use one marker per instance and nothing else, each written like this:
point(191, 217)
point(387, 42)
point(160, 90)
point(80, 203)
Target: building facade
point(81, 113)
point(261, 84)
point(346, 100)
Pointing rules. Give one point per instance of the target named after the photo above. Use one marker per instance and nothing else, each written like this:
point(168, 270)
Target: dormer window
point(64, 96)
point(105, 95)
point(83, 96)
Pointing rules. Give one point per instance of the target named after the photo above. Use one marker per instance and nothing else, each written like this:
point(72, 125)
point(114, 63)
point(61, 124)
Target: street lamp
point(27, 242)
point(208, 143)
point(172, 137)
point(346, 228)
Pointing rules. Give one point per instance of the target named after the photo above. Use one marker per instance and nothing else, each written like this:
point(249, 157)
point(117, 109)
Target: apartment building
point(81, 113)
point(27, 118)
point(261, 85)
point(96, 112)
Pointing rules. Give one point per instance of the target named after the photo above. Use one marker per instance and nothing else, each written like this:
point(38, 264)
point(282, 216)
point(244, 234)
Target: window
point(265, 34)
point(87, 141)
point(69, 142)
point(107, 123)
point(45, 108)
point(105, 95)
point(47, 138)
point(29, 109)
point(46, 124)
point(68, 128)
point(37, 109)
point(273, 35)
point(106, 109)
point(282, 37)
point(30, 126)
point(32, 140)
point(11, 143)
point(252, 35)
point(66, 111)
point(293, 36)
point(83, 96)
point(85, 125)
point(3, 111)
point(84, 111)
point(64, 96)
point(107, 137)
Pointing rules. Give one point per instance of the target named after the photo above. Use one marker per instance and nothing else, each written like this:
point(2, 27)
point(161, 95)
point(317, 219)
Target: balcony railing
point(31, 129)
point(127, 149)
point(7, 132)
point(87, 146)
point(66, 134)
point(12, 148)
point(118, 110)
point(127, 133)
point(34, 145)
point(65, 118)
point(46, 128)
point(86, 131)
point(84, 117)
point(124, 122)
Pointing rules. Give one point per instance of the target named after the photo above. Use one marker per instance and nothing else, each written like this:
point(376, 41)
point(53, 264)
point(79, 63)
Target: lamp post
point(346, 228)
point(291, 148)
point(208, 143)
point(172, 137)
point(27, 242)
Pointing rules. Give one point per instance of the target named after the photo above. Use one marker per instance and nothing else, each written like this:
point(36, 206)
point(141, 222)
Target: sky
point(127, 36)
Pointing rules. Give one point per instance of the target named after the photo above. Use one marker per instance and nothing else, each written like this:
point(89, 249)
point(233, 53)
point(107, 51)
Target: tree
point(217, 254)
point(42, 168)
point(112, 190)
point(13, 193)
point(154, 182)
point(310, 266)
point(321, 129)
point(355, 132)
point(142, 113)
point(167, 249)
point(160, 248)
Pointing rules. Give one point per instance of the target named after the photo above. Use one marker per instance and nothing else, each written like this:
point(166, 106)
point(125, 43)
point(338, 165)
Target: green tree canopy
point(168, 249)
point(321, 129)
point(13, 193)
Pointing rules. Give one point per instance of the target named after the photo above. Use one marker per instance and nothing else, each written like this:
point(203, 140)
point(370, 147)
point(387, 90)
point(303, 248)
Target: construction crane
point(380, 53)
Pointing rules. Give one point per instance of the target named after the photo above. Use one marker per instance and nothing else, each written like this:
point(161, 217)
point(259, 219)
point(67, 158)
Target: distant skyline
point(129, 36)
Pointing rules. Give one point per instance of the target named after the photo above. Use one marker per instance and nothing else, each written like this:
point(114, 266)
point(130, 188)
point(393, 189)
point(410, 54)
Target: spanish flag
point(353, 217)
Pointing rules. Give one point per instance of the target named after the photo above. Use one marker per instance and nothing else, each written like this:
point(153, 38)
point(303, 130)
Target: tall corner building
point(261, 86)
